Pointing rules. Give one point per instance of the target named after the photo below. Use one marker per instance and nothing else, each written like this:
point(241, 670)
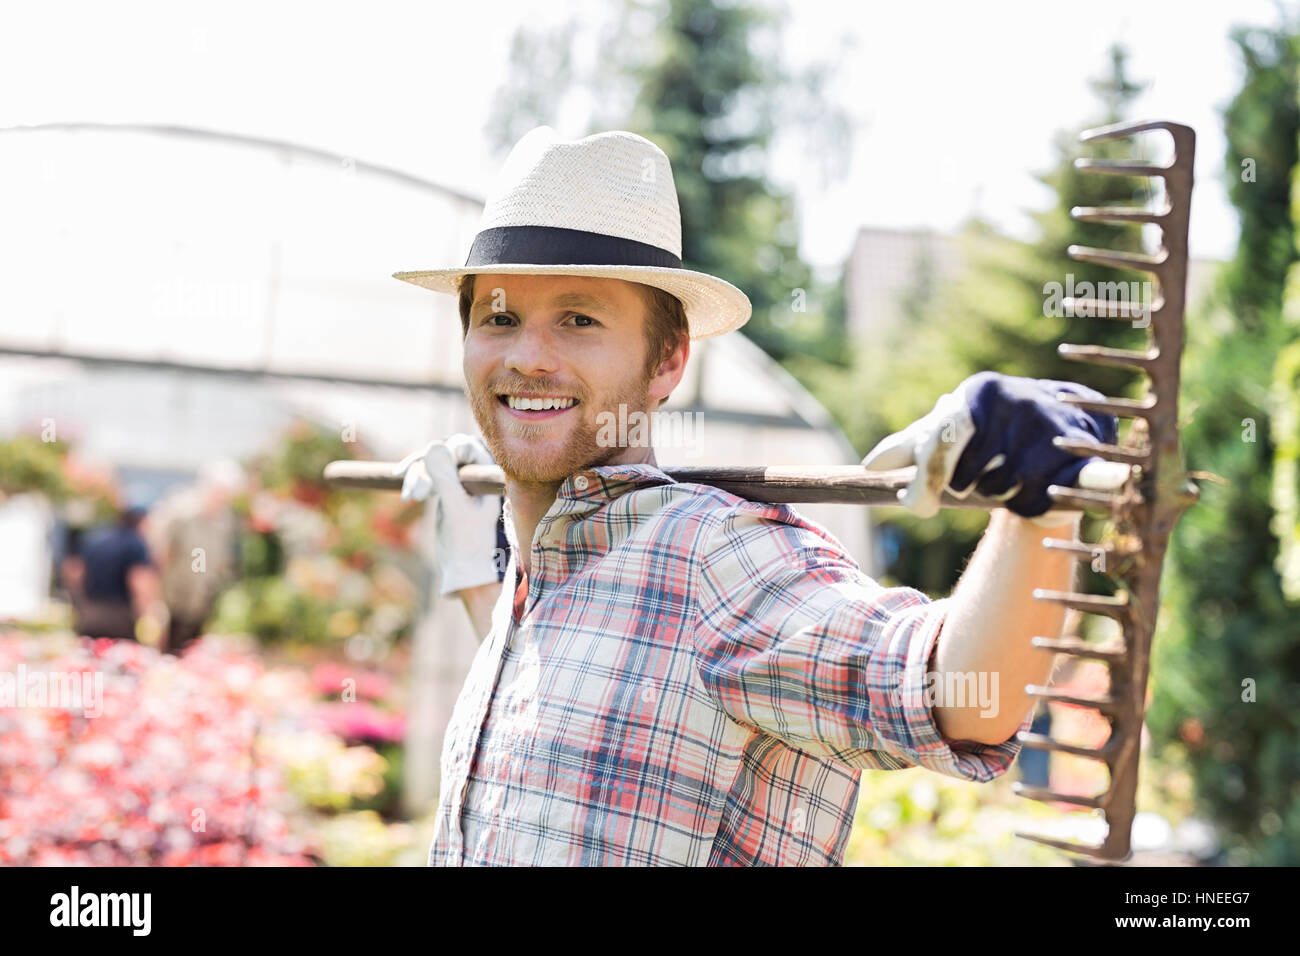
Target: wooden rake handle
point(777, 484)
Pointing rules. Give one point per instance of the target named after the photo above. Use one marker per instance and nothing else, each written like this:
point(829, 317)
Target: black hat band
point(552, 245)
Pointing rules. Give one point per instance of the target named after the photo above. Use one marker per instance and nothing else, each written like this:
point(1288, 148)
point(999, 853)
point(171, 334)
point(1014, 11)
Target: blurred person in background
point(120, 584)
point(72, 570)
point(77, 519)
point(196, 538)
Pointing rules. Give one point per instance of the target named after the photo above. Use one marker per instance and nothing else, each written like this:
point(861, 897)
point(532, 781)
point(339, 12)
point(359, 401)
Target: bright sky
point(957, 102)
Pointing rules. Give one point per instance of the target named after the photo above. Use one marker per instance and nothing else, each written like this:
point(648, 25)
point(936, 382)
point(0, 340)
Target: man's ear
point(670, 372)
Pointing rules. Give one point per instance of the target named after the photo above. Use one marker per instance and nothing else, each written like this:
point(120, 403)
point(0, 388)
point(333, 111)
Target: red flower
point(309, 493)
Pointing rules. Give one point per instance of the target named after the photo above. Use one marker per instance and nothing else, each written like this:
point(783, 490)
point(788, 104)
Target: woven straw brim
point(713, 306)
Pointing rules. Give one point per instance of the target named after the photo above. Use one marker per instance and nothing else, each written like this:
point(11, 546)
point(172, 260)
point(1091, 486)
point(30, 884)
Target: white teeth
point(538, 404)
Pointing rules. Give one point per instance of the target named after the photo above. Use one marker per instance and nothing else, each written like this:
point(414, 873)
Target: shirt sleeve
point(795, 640)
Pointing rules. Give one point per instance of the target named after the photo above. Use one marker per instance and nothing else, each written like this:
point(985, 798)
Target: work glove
point(465, 525)
point(996, 435)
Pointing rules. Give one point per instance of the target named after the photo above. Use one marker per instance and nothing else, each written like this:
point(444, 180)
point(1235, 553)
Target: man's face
point(579, 340)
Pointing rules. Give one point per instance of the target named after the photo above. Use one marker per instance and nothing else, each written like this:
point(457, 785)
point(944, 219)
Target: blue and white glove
point(995, 435)
point(465, 525)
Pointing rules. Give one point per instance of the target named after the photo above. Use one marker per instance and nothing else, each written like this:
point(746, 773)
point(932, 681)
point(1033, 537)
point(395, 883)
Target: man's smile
point(531, 408)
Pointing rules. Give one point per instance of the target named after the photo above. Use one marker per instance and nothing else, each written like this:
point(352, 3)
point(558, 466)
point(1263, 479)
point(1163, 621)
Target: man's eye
point(587, 324)
point(491, 319)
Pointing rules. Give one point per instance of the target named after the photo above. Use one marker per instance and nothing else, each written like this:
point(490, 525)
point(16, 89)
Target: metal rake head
point(1146, 508)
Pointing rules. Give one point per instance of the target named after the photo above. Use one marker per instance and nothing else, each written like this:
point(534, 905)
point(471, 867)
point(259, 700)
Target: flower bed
point(206, 759)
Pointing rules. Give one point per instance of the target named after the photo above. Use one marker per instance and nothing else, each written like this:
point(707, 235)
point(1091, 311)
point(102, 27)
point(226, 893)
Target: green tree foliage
point(707, 97)
point(1285, 434)
point(995, 316)
point(1227, 660)
point(29, 464)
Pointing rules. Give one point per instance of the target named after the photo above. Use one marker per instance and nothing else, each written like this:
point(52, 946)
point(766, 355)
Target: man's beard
point(580, 449)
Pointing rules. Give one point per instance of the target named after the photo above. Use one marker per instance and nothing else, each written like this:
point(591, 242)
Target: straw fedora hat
point(602, 206)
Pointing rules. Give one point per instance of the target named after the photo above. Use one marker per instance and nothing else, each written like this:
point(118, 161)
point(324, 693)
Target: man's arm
point(479, 602)
point(1001, 436)
point(992, 618)
point(793, 639)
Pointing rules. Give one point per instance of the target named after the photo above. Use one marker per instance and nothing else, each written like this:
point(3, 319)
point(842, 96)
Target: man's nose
point(532, 351)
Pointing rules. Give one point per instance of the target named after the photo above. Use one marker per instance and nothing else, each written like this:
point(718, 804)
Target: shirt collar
point(592, 488)
point(607, 482)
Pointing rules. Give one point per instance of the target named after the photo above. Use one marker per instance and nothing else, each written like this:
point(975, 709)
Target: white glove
point(465, 524)
point(933, 443)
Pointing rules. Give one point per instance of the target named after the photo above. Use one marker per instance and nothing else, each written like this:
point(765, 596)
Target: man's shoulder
point(723, 517)
point(103, 539)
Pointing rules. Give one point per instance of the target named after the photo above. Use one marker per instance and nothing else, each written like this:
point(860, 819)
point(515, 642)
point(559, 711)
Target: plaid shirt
point(691, 678)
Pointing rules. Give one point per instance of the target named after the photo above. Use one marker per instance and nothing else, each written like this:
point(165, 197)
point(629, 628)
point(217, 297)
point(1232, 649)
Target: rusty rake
point(1143, 510)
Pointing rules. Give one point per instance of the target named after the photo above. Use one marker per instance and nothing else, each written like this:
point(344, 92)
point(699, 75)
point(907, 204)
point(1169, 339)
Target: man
point(197, 543)
point(122, 593)
point(672, 674)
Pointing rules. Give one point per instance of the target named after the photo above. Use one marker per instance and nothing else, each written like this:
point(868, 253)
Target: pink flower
point(361, 721)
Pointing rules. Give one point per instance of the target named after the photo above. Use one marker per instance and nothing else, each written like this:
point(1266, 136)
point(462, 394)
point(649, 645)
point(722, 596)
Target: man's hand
point(996, 434)
point(466, 525)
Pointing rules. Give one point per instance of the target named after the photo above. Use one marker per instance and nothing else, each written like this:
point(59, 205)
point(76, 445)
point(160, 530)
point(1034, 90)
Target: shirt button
point(580, 482)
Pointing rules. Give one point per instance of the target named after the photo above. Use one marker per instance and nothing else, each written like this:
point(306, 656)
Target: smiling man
point(544, 374)
point(673, 675)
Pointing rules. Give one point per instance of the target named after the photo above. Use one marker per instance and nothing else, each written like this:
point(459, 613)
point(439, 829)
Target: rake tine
point(1113, 553)
point(1115, 607)
point(1081, 548)
point(1100, 355)
point(1127, 128)
point(1076, 648)
point(1085, 550)
point(1042, 793)
point(1119, 167)
point(1104, 309)
point(1122, 407)
point(1117, 214)
point(1075, 498)
point(1105, 705)
point(1120, 260)
point(1109, 452)
point(1044, 742)
point(1087, 849)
